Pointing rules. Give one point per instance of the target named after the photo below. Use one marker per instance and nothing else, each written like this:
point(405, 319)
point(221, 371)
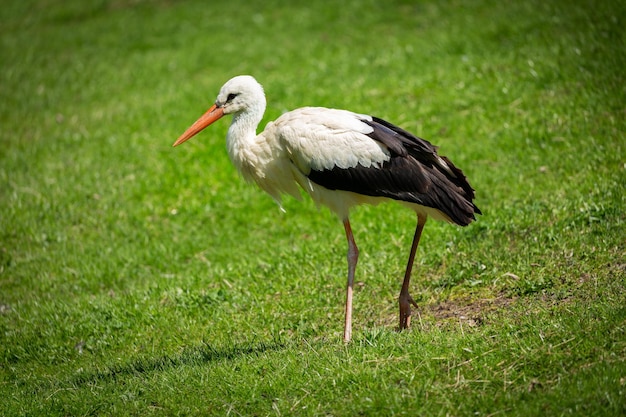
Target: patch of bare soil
point(471, 311)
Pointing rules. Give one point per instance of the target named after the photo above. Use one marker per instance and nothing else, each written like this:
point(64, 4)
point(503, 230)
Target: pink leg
point(353, 257)
point(405, 300)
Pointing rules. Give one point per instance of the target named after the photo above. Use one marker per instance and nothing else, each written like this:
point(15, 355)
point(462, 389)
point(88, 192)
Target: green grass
point(137, 279)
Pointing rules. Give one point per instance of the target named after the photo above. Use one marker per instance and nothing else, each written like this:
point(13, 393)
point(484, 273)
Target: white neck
point(242, 132)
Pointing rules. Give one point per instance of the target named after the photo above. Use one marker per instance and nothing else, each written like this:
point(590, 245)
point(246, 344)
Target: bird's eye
point(231, 97)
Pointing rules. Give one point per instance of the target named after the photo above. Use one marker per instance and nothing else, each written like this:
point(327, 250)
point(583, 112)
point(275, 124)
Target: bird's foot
point(405, 301)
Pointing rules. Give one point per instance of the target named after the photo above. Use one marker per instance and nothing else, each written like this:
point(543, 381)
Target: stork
point(341, 159)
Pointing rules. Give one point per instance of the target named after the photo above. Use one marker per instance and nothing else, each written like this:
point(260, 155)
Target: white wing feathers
point(319, 138)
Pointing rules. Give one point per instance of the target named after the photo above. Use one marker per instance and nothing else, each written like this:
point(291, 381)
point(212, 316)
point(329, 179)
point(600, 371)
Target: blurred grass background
point(137, 279)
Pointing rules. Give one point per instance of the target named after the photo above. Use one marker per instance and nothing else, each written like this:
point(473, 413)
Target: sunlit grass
point(140, 279)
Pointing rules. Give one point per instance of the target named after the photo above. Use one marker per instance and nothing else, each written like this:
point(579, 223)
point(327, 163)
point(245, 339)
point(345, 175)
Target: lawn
point(141, 279)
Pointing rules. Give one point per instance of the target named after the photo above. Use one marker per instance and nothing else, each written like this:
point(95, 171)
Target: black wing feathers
point(414, 173)
point(386, 132)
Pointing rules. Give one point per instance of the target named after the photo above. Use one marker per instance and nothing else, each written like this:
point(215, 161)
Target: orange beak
point(213, 114)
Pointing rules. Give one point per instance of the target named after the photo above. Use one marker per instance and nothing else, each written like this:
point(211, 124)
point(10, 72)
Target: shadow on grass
point(197, 355)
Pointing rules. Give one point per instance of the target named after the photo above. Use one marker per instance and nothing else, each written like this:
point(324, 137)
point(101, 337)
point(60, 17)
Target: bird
point(341, 159)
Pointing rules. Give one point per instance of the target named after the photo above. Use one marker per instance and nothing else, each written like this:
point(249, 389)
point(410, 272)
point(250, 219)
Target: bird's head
point(241, 95)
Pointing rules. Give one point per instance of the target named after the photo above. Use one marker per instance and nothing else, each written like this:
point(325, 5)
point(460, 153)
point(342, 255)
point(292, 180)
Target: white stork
point(341, 159)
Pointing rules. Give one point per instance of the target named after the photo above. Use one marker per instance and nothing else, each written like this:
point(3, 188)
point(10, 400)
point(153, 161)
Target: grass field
point(138, 279)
